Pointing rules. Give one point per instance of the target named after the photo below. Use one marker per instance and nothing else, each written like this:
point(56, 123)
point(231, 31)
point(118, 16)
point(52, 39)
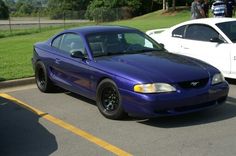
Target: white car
point(212, 40)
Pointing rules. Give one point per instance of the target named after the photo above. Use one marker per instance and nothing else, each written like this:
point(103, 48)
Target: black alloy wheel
point(109, 100)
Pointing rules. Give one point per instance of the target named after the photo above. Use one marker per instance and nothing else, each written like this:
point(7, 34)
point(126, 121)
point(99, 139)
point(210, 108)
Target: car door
point(229, 30)
point(233, 61)
point(233, 64)
point(69, 72)
point(205, 43)
point(173, 41)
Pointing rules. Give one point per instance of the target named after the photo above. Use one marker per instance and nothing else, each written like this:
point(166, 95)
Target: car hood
point(154, 67)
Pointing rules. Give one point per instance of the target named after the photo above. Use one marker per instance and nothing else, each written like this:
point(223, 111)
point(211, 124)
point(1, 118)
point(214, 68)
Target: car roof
point(99, 29)
point(210, 21)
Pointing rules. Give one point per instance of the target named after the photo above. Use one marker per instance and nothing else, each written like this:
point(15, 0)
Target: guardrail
point(4, 24)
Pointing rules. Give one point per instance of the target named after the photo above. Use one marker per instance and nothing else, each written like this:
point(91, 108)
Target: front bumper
point(180, 102)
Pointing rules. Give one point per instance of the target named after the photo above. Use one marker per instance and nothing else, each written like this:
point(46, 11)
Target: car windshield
point(229, 28)
point(121, 43)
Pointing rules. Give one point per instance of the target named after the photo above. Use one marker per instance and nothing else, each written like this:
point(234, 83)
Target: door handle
point(57, 61)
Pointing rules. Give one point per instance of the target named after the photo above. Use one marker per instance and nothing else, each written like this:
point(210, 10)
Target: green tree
point(10, 3)
point(108, 10)
point(57, 8)
point(148, 6)
point(4, 10)
point(25, 9)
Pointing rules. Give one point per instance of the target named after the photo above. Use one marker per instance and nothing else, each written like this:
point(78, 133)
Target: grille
point(193, 84)
point(189, 108)
point(192, 107)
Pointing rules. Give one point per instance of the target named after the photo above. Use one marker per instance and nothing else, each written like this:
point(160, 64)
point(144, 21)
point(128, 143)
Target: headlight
point(154, 88)
point(217, 78)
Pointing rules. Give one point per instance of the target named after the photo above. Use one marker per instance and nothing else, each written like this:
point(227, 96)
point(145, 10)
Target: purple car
point(126, 72)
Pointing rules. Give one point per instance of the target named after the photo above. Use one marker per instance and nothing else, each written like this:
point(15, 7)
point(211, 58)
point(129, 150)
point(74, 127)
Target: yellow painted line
point(69, 127)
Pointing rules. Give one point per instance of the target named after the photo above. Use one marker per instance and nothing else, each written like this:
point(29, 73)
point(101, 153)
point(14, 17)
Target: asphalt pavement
point(63, 123)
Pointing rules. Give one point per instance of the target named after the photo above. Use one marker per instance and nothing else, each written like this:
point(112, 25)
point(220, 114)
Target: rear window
point(179, 32)
point(56, 42)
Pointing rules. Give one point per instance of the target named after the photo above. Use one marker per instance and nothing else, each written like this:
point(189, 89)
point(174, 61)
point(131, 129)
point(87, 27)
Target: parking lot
point(62, 123)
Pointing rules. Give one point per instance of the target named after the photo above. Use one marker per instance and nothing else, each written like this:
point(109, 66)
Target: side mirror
point(77, 54)
point(216, 39)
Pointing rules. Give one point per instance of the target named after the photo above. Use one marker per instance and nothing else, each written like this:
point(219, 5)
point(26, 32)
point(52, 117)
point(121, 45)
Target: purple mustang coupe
point(126, 72)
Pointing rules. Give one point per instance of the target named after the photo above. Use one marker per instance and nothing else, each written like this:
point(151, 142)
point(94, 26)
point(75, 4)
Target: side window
point(56, 42)
point(229, 29)
point(72, 42)
point(179, 32)
point(201, 32)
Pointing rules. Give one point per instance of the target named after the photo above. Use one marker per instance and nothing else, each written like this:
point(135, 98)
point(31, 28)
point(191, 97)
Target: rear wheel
point(109, 100)
point(41, 77)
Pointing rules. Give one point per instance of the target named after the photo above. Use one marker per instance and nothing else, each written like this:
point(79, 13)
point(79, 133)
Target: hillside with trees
point(98, 10)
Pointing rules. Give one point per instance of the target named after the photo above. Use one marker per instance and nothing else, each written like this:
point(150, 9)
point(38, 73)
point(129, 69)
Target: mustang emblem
point(194, 84)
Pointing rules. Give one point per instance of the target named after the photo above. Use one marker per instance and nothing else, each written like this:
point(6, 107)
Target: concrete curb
point(16, 83)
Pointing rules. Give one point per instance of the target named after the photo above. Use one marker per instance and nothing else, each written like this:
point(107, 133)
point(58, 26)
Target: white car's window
point(201, 32)
point(229, 28)
point(179, 32)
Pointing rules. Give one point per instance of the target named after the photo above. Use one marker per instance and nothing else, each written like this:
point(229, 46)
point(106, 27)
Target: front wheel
point(109, 100)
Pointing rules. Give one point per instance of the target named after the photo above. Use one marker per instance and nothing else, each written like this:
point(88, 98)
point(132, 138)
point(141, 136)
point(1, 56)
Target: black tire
point(109, 100)
point(42, 80)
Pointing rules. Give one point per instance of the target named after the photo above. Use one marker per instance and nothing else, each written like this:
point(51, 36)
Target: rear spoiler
point(155, 31)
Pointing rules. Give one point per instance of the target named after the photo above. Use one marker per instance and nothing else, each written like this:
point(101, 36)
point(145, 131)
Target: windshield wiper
point(127, 52)
point(99, 55)
point(109, 54)
point(114, 53)
point(143, 50)
point(151, 49)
